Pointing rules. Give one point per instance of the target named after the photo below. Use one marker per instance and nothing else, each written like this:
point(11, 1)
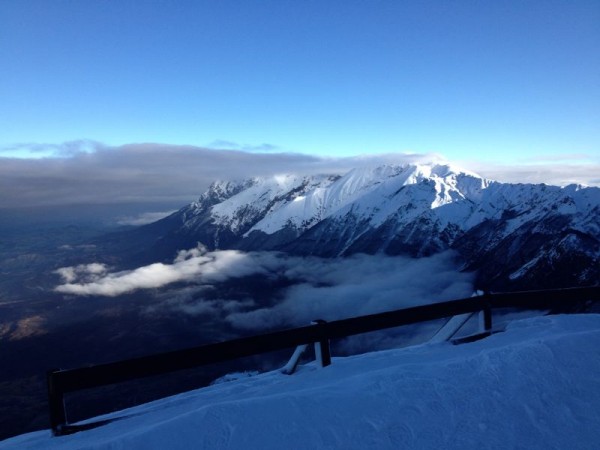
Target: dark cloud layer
point(89, 173)
point(147, 173)
point(141, 173)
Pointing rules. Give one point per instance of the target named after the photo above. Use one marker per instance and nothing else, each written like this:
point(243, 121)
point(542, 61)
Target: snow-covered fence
point(61, 382)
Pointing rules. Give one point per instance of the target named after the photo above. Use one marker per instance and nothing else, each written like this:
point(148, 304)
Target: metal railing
point(61, 382)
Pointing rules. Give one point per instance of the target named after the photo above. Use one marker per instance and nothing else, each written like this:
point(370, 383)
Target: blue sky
point(498, 81)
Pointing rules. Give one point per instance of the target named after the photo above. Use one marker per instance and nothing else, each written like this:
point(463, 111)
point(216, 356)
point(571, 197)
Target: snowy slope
point(269, 205)
point(534, 386)
point(369, 192)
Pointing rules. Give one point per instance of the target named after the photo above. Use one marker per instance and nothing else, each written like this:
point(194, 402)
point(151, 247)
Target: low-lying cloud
point(318, 287)
point(360, 284)
point(144, 218)
point(195, 265)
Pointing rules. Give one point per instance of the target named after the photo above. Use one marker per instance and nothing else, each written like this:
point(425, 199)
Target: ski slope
point(534, 386)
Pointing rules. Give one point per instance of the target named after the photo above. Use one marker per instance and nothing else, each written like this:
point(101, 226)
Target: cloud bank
point(89, 173)
point(319, 288)
point(357, 285)
point(150, 173)
point(554, 171)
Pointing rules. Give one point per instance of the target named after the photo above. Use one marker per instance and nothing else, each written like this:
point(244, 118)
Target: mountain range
point(513, 236)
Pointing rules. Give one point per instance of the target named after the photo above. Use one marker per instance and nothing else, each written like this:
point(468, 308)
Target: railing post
point(485, 316)
point(56, 403)
point(322, 350)
point(450, 328)
point(292, 364)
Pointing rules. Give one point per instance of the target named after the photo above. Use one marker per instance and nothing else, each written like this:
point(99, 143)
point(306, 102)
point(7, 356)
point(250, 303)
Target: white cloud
point(37, 150)
point(221, 144)
point(144, 218)
point(194, 265)
point(83, 272)
point(556, 170)
point(320, 288)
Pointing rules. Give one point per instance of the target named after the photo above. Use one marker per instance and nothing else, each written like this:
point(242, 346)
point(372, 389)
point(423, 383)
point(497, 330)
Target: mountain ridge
point(513, 235)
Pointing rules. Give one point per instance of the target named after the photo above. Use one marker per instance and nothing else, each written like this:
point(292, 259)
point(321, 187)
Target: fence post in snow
point(322, 350)
point(450, 328)
point(485, 315)
point(292, 364)
point(56, 403)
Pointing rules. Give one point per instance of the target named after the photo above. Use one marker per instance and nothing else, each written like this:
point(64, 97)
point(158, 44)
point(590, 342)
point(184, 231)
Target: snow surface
point(534, 386)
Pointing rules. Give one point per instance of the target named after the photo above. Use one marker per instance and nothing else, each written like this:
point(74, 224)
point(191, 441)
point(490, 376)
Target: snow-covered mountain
point(518, 235)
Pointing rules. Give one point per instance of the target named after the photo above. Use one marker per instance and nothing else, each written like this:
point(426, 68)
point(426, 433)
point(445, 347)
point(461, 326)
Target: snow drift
point(533, 386)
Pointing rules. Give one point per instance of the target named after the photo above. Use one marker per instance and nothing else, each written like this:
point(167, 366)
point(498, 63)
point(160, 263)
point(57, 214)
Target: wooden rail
point(61, 382)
